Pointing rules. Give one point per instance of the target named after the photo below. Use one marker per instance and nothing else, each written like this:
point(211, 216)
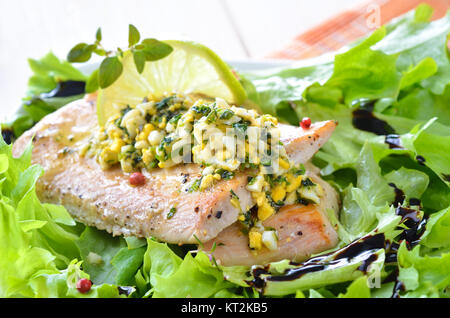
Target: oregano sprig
point(111, 67)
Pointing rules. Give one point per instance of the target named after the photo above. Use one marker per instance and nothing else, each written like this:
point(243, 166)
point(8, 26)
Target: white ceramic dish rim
point(243, 65)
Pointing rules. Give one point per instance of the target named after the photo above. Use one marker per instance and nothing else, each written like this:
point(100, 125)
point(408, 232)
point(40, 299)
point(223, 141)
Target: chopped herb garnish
point(307, 182)
point(174, 120)
point(250, 217)
point(212, 116)
point(242, 125)
point(195, 185)
point(298, 171)
point(171, 213)
point(201, 109)
point(280, 179)
point(164, 103)
point(166, 141)
point(125, 110)
point(302, 201)
point(225, 174)
point(226, 114)
point(198, 241)
point(275, 205)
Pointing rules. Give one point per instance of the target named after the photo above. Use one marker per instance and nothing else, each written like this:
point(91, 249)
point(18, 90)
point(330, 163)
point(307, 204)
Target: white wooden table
point(235, 29)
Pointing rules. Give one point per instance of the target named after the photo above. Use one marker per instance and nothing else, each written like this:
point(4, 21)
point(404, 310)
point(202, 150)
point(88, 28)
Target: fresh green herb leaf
point(139, 60)
point(133, 35)
point(109, 71)
point(155, 50)
point(242, 126)
point(80, 53)
point(98, 35)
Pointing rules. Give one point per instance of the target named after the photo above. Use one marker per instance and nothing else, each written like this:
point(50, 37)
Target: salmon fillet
point(106, 200)
point(302, 230)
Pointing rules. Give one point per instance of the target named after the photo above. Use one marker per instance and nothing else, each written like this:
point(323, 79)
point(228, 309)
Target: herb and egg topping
point(138, 137)
point(270, 193)
point(221, 138)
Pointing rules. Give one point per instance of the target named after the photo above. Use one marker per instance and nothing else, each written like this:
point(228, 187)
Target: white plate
point(246, 65)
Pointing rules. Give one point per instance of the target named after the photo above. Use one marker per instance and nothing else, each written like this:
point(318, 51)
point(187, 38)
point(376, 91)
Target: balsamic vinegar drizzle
point(414, 202)
point(421, 160)
point(415, 226)
point(399, 195)
point(125, 290)
point(8, 135)
point(363, 249)
point(398, 287)
point(364, 119)
point(66, 89)
point(393, 141)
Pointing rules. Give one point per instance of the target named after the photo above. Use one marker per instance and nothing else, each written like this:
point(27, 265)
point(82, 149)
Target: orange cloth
point(350, 26)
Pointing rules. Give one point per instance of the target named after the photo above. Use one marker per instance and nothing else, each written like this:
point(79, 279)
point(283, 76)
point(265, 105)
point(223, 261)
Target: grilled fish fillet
point(302, 230)
point(106, 200)
point(301, 144)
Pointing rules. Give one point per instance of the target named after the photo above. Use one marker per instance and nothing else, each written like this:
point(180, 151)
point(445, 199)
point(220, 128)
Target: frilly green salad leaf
point(54, 83)
point(38, 241)
point(388, 158)
point(396, 83)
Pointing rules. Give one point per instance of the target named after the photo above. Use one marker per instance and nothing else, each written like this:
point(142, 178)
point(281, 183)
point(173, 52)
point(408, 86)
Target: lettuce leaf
point(31, 240)
point(358, 289)
point(399, 77)
point(437, 234)
point(63, 284)
point(363, 73)
point(38, 247)
point(48, 73)
point(170, 276)
point(415, 39)
point(426, 275)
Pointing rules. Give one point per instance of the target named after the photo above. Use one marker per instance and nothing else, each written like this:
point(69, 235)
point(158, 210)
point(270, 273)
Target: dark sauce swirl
point(364, 249)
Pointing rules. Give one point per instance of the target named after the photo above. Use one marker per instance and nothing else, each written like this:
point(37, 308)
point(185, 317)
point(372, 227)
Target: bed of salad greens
point(389, 158)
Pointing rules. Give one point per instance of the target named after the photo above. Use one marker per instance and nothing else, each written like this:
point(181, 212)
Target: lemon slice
point(190, 68)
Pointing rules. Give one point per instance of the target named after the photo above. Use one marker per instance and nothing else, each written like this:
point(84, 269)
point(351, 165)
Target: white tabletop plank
point(267, 25)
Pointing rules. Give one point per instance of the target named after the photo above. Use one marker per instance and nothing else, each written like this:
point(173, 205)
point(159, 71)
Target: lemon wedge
point(190, 68)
